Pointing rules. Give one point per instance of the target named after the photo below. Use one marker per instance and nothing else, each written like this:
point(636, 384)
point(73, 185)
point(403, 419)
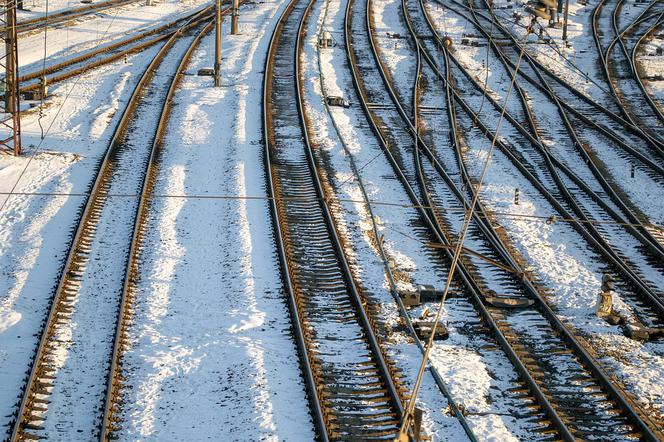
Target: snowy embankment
point(212, 355)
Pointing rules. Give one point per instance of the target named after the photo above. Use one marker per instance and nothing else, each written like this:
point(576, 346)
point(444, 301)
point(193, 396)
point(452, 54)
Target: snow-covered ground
point(38, 8)
point(212, 356)
point(35, 229)
point(62, 41)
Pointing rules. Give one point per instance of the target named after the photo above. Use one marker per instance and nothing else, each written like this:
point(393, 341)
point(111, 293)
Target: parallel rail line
point(560, 173)
point(637, 416)
point(626, 104)
point(34, 400)
point(583, 105)
point(593, 374)
point(105, 54)
point(68, 15)
point(353, 389)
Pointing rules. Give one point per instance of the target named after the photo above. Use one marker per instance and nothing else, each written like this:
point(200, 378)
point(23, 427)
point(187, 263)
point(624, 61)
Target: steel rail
point(633, 63)
point(606, 61)
point(68, 15)
point(634, 225)
point(163, 32)
point(536, 65)
point(586, 229)
point(76, 247)
point(113, 384)
point(320, 408)
point(580, 351)
point(657, 148)
point(435, 230)
point(619, 38)
point(604, 55)
point(636, 415)
point(639, 232)
point(367, 322)
point(296, 323)
point(438, 378)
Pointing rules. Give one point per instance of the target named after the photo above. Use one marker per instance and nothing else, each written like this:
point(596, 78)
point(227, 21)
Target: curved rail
point(438, 378)
point(106, 54)
point(68, 15)
point(552, 163)
point(573, 343)
point(633, 63)
point(627, 404)
point(606, 64)
point(35, 389)
point(639, 231)
point(656, 147)
point(315, 268)
point(114, 383)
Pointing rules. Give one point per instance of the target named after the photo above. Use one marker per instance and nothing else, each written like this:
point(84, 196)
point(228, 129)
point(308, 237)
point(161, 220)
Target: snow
point(36, 228)
point(211, 353)
point(62, 41)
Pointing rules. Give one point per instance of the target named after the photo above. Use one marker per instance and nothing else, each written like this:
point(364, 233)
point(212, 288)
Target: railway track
point(354, 391)
point(623, 210)
point(105, 54)
point(68, 15)
point(587, 201)
point(474, 118)
point(604, 117)
point(555, 397)
point(619, 68)
point(73, 383)
point(628, 141)
point(582, 116)
point(323, 160)
point(633, 61)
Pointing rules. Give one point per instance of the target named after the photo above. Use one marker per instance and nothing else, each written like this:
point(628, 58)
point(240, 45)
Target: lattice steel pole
point(10, 123)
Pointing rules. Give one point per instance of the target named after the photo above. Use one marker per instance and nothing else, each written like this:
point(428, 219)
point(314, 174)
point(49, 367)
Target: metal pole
point(10, 106)
point(10, 67)
point(217, 45)
point(565, 20)
point(234, 18)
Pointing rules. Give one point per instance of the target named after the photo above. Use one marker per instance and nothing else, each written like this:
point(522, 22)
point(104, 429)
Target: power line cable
point(408, 412)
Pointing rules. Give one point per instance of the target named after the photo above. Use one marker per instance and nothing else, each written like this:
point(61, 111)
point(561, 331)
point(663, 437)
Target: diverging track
point(558, 371)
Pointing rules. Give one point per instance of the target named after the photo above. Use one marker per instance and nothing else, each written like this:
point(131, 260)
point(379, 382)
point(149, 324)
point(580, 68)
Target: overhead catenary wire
point(468, 217)
point(550, 219)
